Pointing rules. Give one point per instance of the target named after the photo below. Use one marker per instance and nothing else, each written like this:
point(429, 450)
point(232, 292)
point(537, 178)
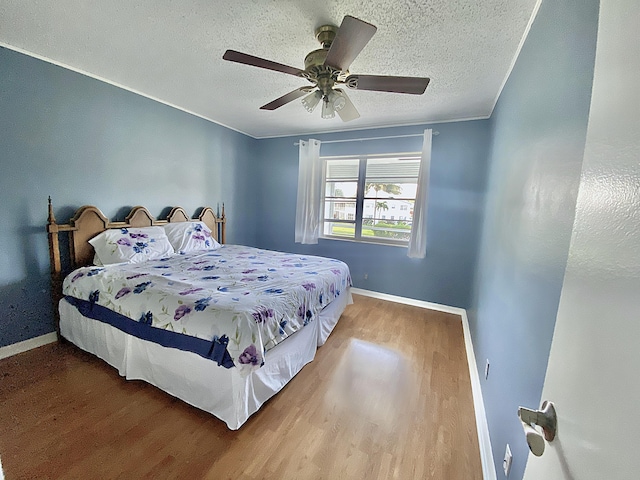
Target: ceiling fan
point(328, 67)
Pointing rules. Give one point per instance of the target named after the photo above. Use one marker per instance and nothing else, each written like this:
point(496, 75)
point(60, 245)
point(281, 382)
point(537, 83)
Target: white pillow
point(190, 237)
point(132, 245)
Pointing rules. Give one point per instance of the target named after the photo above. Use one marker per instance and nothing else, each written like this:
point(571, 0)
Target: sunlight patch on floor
point(372, 382)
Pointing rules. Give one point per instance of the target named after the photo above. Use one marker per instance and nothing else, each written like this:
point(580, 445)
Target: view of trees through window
point(370, 198)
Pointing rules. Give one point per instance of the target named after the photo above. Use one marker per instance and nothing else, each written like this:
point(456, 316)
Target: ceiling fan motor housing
point(315, 58)
point(318, 73)
point(325, 35)
point(315, 69)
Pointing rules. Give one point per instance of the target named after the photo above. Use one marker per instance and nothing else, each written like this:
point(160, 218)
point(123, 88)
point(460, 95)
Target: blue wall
point(85, 142)
point(538, 134)
point(457, 187)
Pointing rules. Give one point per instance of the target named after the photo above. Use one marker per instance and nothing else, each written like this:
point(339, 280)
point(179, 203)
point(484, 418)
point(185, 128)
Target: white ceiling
point(172, 51)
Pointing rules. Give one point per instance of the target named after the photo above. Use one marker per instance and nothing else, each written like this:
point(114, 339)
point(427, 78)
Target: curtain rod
point(372, 138)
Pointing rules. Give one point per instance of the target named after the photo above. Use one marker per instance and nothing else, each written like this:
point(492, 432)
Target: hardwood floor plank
point(388, 396)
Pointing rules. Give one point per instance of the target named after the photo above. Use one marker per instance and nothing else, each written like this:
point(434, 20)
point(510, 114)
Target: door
point(593, 375)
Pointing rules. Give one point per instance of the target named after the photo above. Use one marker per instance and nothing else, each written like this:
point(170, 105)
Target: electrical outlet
point(506, 463)
point(366, 276)
point(486, 370)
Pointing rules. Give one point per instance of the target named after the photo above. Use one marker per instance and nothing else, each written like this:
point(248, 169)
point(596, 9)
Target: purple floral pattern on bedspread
point(257, 298)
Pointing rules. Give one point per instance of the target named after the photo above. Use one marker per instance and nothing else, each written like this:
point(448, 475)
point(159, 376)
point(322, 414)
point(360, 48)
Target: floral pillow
point(190, 237)
point(132, 245)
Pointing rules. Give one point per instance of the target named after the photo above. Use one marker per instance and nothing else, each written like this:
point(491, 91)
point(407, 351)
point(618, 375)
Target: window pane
point(342, 170)
point(401, 210)
point(386, 228)
point(392, 170)
point(339, 210)
point(340, 229)
point(341, 189)
point(341, 186)
point(403, 188)
point(390, 190)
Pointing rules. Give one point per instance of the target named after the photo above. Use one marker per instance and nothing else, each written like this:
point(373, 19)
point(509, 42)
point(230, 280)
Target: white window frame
point(362, 168)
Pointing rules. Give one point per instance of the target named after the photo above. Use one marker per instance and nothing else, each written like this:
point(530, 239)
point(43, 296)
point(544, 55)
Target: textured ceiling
point(172, 51)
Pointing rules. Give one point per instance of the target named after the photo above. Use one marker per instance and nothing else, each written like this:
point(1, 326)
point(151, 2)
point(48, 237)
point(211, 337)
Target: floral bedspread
point(256, 298)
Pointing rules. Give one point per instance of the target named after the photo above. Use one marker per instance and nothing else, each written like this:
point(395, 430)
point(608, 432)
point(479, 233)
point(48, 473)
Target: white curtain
point(418, 241)
point(309, 192)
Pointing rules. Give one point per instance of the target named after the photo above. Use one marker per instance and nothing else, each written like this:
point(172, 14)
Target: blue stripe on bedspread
point(215, 350)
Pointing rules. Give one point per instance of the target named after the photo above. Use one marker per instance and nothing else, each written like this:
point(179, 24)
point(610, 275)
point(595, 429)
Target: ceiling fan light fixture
point(337, 100)
point(327, 108)
point(310, 102)
point(348, 112)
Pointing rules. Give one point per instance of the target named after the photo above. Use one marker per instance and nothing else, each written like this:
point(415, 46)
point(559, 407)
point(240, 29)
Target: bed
point(222, 327)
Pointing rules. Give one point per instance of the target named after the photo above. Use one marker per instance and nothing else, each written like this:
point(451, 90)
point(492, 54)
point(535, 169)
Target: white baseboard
point(484, 441)
point(20, 347)
point(409, 301)
point(486, 453)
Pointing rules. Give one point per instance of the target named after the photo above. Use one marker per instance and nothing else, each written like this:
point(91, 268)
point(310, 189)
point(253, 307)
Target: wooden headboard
point(89, 221)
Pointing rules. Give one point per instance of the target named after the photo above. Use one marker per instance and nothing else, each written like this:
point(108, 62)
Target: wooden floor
point(388, 396)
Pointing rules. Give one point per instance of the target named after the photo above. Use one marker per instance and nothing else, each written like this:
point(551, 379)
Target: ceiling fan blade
point(381, 83)
point(351, 38)
point(348, 112)
point(289, 97)
point(246, 59)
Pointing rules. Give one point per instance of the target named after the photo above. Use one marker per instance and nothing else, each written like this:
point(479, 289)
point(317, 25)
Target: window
point(360, 191)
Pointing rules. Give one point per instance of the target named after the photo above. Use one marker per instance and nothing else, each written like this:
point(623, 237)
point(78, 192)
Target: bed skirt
point(194, 379)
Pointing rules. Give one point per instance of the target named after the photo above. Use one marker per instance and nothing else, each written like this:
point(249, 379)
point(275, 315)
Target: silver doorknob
point(546, 419)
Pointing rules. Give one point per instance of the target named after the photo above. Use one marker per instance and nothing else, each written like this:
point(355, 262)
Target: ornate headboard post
point(54, 245)
point(53, 230)
point(222, 220)
point(214, 222)
point(54, 257)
